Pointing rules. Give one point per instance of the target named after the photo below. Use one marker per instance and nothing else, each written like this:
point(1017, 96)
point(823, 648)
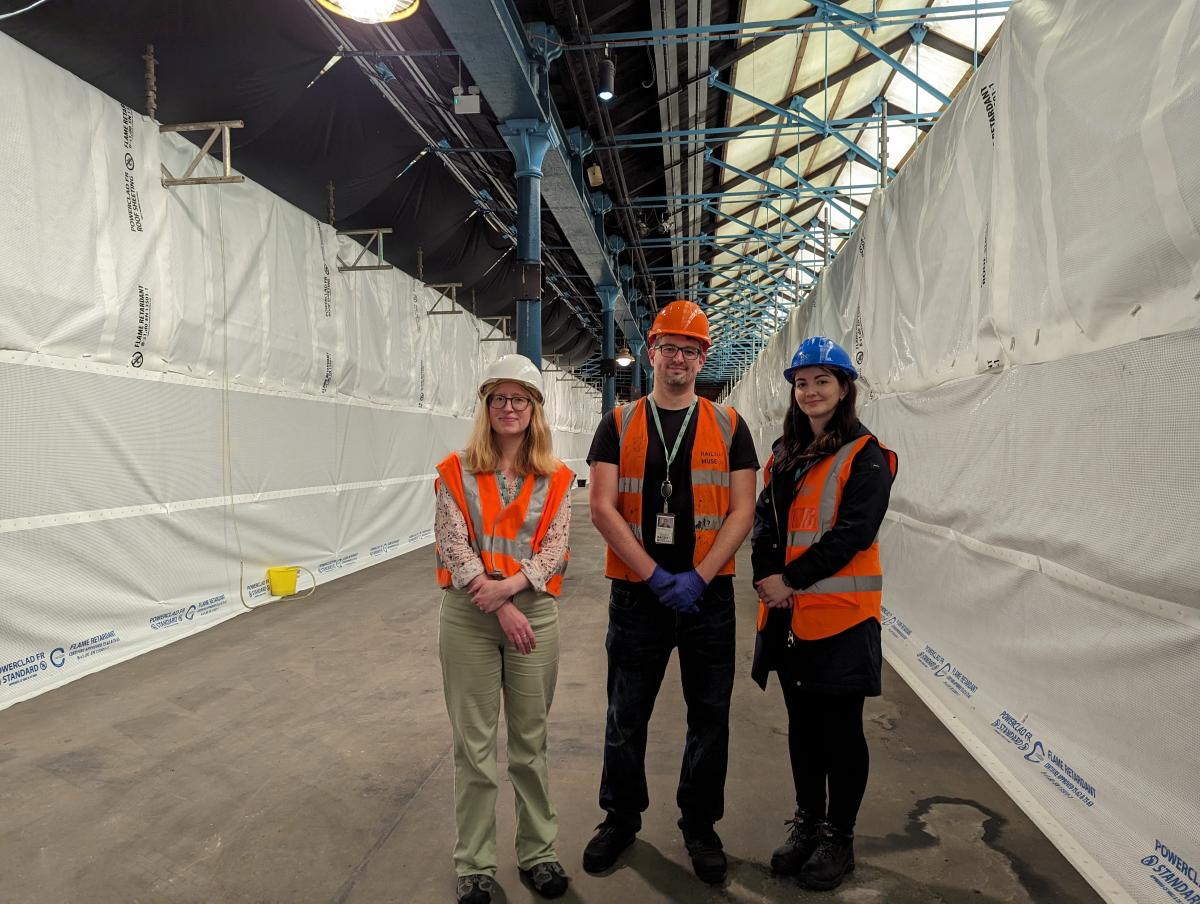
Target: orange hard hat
point(681, 318)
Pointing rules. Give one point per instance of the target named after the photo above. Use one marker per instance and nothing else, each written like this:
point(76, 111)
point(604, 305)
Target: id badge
point(664, 529)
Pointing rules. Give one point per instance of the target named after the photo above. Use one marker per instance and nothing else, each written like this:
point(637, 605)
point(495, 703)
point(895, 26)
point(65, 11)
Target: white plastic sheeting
point(1023, 304)
point(191, 391)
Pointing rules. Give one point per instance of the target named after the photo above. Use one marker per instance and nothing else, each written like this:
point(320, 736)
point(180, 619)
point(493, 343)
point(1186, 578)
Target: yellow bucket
point(282, 579)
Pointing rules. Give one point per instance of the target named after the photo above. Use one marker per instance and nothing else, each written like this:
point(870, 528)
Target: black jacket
point(849, 662)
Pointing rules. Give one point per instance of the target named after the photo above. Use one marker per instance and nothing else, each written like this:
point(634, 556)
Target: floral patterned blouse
point(453, 539)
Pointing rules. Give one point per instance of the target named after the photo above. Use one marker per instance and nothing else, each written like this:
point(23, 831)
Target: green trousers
point(478, 666)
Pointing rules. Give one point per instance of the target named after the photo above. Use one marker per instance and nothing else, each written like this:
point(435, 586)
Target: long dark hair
point(799, 444)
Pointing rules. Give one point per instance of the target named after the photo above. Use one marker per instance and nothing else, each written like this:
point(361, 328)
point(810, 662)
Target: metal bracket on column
point(601, 203)
point(376, 238)
point(529, 140)
point(497, 329)
point(452, 298)
point(580, 142)
point(221, 128)
point(546, 42)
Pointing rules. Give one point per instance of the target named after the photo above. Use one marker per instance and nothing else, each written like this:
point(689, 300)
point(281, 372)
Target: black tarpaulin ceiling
point(260, 62)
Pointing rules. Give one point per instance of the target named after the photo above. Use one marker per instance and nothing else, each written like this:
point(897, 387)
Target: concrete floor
point(301, 753)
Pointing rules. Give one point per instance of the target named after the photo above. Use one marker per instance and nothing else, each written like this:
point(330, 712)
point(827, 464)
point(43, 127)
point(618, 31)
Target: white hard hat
point(514, 368)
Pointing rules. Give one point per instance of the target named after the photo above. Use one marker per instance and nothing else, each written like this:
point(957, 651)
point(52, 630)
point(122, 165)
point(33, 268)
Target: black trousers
point(641, 634)
point(828, 749)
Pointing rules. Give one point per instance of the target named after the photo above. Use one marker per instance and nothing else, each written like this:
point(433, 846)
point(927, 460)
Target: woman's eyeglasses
point(519, 402)
point(689, 352)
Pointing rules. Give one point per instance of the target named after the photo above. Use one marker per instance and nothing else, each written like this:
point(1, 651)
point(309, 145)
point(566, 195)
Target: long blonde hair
point(537, 450)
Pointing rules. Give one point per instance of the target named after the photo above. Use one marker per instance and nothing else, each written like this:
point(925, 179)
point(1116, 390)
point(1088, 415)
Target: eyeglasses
point(689, 352)
point(519, 402)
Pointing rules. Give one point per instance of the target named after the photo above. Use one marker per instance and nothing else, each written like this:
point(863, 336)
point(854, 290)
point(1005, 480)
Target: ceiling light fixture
point(624, 356)
point(608, 79)
point(372, 12)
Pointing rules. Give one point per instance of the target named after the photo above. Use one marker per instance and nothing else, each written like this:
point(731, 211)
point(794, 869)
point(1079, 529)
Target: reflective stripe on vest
point(502, 535)
point(629, 485)
point(715, 427)
point(854, 593)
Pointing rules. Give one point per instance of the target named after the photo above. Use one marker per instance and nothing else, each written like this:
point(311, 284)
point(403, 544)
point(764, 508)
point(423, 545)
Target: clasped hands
point(774, 592)
point(494, 596)
point(680, 592)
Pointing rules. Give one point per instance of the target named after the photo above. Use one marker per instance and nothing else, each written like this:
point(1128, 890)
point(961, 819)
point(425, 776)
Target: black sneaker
point(801, 842)
point(548, 879)
point(475, 889)
point(831, 862)
point(708, 856)
point(606, 845)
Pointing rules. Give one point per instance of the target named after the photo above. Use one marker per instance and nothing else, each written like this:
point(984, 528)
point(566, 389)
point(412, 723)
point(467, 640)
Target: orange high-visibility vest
point(854, 593)
point(502, 534)
point(715, 426)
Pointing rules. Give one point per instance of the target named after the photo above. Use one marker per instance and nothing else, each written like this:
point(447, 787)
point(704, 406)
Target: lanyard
point(666, 487)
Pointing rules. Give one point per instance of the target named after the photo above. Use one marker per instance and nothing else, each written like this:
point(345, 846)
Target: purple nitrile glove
point(686, 593)
point(660, 581)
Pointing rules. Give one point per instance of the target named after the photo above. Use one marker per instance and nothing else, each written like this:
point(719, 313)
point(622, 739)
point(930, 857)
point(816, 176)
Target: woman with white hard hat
point(816, 567)
point(503, 516)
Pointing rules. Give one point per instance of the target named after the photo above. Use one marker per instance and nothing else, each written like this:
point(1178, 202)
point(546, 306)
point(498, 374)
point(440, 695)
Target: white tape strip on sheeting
point(51, 362)
point(1030, 562)
point(13, 525)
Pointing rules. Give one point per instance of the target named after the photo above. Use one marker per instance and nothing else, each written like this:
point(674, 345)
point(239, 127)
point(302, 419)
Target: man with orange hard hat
point(672, 492)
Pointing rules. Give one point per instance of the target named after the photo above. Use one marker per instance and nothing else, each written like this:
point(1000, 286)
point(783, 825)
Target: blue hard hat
point(817, 351)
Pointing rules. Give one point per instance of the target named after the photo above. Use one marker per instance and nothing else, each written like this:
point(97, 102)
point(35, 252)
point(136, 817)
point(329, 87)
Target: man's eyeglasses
point(519, 402)
point(689, 352)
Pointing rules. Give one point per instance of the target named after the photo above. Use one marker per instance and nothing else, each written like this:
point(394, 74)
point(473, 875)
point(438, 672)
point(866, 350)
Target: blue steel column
point(648, 372)
point(636, 376)
point(529, 140)
point(608, 308)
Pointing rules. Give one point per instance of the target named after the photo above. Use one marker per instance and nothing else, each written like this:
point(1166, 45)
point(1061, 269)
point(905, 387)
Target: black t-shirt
point(606, 447)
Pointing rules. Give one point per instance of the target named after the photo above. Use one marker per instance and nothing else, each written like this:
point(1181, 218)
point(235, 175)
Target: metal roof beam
point(781, 165)
point(731, 238)
point(797, 114)
point(835, 17)
point(769, 270)
point(778, 194)
point(765, 237)
point(951, 47)
point(514, 80)
point(821, 128)
point(918, 33)
point(810, 189)
point(835, 163)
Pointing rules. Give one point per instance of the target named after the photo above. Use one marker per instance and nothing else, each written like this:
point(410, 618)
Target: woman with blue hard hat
point(819, 580)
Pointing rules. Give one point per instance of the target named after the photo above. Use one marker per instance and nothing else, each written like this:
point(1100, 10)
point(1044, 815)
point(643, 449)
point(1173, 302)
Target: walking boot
point(475, 889)
point(708, 855)
point(831, 862)
point(801, 842)
point(606, 845)
point(548, 879)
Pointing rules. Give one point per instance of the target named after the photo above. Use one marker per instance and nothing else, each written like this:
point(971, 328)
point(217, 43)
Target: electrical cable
point(17, 12)
point(653, 72)
point(226, 444)
point(226, 428)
